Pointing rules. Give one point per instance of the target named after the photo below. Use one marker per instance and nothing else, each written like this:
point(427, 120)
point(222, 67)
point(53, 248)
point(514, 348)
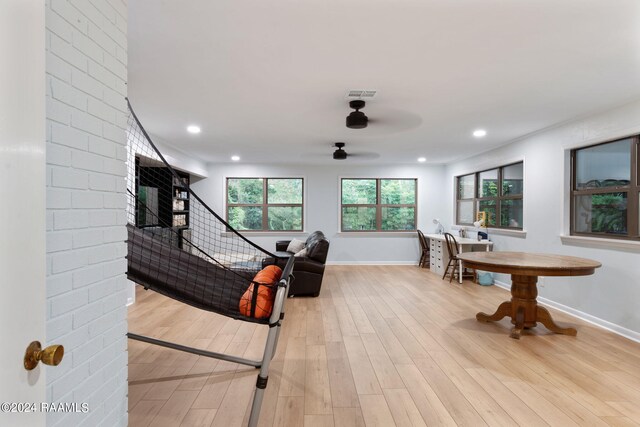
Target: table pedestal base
point(524, 309)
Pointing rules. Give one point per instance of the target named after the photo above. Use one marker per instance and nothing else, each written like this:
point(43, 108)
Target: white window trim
point(600, 243)
point(279, 234)
point(490, 231)
point(377, 234)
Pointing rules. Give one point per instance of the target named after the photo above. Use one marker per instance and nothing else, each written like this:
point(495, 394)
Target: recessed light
point(235, 158)
point(193, 129)
point(422, 159)
point(479, 133)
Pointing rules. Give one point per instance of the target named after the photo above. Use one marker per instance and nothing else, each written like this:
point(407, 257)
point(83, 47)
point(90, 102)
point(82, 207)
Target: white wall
point(86, 64)
point(322, 207)
point(613, 293)
point(178, 159)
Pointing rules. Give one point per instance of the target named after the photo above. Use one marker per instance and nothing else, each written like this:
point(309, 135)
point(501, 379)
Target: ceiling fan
point(388, 120)
point(340, 154)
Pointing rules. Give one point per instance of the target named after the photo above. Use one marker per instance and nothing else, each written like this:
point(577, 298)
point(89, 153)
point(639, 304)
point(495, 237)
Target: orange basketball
point(264, 301)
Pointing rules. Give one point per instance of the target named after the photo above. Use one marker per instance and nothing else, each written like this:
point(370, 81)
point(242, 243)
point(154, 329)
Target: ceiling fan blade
point(364, 156)
point(389, 121)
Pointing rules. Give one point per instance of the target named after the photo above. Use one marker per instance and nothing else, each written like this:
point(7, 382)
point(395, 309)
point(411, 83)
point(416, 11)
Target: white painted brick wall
point(86, 283)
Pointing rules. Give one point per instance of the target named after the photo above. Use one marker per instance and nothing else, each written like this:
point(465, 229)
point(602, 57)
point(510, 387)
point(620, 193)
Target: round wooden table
point(525, 269)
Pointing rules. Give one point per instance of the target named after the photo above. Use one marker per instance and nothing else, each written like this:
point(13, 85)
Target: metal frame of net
point(200, 259)
point(193, 256)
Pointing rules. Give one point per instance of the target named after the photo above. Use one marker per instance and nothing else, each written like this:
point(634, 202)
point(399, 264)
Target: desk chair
point(424, 256)
point(454, 262)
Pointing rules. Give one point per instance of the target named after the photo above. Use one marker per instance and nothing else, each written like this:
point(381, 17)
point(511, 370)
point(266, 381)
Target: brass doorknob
point(51, 355)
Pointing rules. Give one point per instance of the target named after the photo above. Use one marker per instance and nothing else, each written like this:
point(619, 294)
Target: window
point(265, 204)
point(497, 192)
point(605, 189)
point(378, 204)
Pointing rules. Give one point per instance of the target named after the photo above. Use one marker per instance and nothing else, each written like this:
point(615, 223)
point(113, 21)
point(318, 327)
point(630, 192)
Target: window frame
point(632, 190)
point(467, 199)
point(476, 199)
point(265, 205)
point(379, 206)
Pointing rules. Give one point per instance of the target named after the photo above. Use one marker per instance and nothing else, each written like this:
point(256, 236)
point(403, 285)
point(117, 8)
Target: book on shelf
point(178, 205)
point(179, 220)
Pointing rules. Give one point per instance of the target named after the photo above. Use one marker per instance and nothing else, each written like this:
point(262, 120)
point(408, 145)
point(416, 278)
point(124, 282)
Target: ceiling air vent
point(360, 94)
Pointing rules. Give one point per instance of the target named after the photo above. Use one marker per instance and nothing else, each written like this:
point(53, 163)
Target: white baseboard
point(372, 263)
point(604, 324)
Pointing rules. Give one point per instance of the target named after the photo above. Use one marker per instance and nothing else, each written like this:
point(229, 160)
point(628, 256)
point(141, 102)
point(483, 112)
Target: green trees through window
point(378, 204)
point(276, 204)
point(605, 191)
point(498, 192)
point(267, 204)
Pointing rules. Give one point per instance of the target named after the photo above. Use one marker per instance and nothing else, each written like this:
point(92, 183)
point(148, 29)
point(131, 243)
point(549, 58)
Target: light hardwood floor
point(381, 346)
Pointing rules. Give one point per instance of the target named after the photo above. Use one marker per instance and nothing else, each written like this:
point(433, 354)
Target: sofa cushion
point(313, 238)
point(319, 251)
point(281, 245)
point(282, 254)
point(295, 246)
point(301, 253)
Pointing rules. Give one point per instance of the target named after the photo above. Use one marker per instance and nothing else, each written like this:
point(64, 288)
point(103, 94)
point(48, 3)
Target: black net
point(178, 246)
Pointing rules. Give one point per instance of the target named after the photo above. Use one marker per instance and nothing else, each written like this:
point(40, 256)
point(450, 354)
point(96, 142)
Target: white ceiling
point(267, 79)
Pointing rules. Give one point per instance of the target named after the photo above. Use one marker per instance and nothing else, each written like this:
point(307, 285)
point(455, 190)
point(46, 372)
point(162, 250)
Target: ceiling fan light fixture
point(357, 119)
point(339, 154)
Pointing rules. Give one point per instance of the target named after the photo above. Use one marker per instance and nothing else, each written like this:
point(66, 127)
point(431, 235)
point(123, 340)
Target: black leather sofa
point(308, 270)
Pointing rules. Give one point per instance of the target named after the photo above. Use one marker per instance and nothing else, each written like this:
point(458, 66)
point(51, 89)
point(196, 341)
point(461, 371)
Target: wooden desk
point(440, 256)
point(525, 269)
